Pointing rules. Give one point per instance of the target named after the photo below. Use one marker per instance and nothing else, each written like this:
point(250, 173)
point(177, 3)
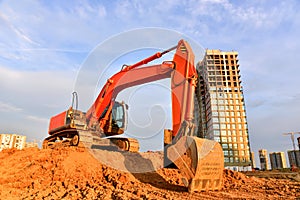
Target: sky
point(44, 45)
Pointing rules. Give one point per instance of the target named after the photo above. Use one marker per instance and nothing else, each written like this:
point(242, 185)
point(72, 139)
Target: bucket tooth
point(201, 162)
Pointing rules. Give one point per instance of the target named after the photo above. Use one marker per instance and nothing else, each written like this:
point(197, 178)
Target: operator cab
point(119, 114)
point(117, 123)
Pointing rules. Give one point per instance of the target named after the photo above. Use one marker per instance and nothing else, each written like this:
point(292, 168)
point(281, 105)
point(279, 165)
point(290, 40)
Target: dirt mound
point(74, 173)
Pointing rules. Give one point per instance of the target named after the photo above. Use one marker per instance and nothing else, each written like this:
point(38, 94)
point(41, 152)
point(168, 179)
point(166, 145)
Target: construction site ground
point(76, 173)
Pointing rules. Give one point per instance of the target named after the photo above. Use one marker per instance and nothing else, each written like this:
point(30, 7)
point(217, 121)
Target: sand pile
point(74, 173)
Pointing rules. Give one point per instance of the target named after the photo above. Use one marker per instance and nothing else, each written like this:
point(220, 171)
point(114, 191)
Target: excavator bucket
point(201, 162)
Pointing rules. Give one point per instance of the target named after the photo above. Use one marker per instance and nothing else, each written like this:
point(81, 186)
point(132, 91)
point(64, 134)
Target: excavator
point(200, 160)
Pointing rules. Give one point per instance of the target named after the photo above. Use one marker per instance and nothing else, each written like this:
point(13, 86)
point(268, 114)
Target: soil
point(76, 173)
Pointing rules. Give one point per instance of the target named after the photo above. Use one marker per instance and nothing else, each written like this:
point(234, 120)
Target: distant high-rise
point(263, 158)
point(253, 160)
point(222, 114)
point(277, 160)
point(294, 158)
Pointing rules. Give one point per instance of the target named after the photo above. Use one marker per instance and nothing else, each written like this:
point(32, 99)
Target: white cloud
point(37, 119)
point(7, 107)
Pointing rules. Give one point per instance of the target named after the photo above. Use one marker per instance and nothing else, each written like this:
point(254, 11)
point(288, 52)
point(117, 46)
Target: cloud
point(6, 107)
point(37, 119)
point(34, 90)
point(30, 31)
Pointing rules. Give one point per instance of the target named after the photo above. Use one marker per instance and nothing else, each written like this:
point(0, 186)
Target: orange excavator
point(200, 161)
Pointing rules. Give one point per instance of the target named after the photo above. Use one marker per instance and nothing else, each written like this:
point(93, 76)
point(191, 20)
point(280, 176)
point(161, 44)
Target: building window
point(223, 133)
point(216, 132)
point(216, 126)
point(214, 119)
point(215, 114)
point(225, 146)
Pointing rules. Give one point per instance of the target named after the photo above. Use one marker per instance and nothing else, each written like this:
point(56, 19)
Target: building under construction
point(9, 141)
point(222, 114)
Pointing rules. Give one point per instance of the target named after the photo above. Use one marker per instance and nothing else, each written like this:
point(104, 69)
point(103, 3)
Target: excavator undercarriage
point(77, 134)
point(89, 139)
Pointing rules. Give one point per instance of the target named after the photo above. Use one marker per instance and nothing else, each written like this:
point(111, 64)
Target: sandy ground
point(75, 173)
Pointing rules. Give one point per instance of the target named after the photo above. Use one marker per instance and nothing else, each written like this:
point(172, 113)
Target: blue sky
point(43, 44)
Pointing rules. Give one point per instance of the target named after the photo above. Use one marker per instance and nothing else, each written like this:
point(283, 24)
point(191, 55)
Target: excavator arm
point(181, 72)
point(101, 109)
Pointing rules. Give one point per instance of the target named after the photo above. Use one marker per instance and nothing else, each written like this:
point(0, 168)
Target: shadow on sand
point(143, 170)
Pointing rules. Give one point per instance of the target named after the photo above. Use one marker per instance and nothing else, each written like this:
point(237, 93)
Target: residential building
point(9, 141)
point(221, 108)
point(263, 158)
point(253, 160)
point(294, 158)
point(277, 160)
point(31, 144)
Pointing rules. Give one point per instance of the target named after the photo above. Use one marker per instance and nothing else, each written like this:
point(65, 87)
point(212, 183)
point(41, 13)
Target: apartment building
point(277, 160)
point(221, 107)
point(263, 158)
point(9, 141)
